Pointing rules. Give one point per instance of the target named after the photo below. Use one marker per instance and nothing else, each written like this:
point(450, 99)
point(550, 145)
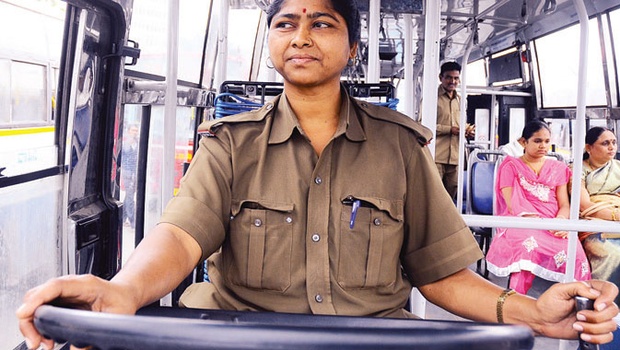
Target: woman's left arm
point(468, 295)
point(563, 208)
point(563, 202)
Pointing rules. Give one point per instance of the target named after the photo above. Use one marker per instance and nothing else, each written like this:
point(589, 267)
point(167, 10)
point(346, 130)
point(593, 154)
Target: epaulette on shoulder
point(209, 128)
point(423, 134)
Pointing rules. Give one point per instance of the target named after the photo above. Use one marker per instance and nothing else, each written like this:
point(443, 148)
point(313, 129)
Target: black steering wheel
point(173, 328)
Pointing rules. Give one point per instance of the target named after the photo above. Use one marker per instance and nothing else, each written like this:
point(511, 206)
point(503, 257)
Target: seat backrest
point(482, 187)
point(482, 165)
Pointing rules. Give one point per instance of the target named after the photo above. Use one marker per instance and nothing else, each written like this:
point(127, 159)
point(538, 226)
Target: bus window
point(143, 108)
point(134, 121)
point(195, 15)
point(517, 122)
point(558, 74)
point(265, 73)
point(239, 64)
point(560, 136)
point(28, 88)
point(482, 117)
point(149, 29)
point(598, 122)
point(476, 73)
point(613, 63)
point(5, 93)
point(29, 69)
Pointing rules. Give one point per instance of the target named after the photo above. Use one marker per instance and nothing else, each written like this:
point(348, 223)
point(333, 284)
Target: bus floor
point(539, 286)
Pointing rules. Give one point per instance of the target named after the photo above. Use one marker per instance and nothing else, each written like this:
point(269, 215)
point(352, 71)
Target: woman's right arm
point(507, 195)
point(160, 262)
point(505, 179)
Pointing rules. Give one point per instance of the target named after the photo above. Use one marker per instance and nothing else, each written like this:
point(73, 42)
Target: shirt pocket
point(369, 251)
point(258, 251)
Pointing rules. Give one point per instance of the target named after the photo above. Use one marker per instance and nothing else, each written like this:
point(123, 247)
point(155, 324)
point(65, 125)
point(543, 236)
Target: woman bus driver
point(337, 195)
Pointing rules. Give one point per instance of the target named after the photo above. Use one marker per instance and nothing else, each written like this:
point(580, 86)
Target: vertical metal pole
point(374, 20)
point(431, 67)
point(68, 258)
point(272, 74)
point(408, 69)
point(493, 116)
point(578, 132)
point(429, 103)
point(261, 34)
point(462, 122)
point(170, 109)
point(222, 45)
point(578, 141)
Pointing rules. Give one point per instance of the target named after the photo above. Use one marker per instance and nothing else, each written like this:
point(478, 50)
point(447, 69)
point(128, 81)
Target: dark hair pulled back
point(534, 126)
point(591, 136)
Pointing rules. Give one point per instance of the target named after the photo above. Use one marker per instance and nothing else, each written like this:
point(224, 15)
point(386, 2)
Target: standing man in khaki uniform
point(448, 128)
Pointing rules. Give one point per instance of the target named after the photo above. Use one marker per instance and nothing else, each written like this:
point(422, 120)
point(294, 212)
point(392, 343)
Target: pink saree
point(535, 252)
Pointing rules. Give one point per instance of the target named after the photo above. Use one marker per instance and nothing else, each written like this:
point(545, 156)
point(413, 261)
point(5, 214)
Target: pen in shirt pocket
point(354, 207)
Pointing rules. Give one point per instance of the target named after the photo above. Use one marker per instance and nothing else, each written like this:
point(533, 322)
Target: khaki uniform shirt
point(448, 115)
point(281, 215)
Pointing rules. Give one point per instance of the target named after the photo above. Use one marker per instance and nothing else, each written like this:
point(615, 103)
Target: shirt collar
point(441, 91)
point(285, 121)
point(354, 129)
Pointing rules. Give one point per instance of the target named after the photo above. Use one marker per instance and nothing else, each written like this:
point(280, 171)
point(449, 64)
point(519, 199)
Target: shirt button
point(289, 219)
point(316, 237)
point(258, 222)
point(377, 222)
point(318, 298)
point(318, 180)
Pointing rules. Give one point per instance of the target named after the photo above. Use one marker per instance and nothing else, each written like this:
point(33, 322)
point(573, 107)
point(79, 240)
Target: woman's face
point(604, 149)
point(309, 43)
point(538, 144)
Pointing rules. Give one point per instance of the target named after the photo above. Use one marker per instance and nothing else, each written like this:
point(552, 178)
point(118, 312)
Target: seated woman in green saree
point(600, 199)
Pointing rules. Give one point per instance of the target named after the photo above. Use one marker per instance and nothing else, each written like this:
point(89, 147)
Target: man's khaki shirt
point(282, 216)
point(448, 115)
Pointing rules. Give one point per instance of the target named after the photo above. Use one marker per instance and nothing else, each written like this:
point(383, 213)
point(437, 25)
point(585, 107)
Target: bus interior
point(77, 75)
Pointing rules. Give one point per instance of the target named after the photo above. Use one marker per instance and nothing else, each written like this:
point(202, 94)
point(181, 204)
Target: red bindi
point(304, 10)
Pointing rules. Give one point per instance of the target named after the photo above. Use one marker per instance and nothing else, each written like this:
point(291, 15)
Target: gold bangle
point(500, 303)
point(613, 215)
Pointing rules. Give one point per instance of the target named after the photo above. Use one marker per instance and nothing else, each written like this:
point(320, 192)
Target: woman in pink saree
point(533, 186)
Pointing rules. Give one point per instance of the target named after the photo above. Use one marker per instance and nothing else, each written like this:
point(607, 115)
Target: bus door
point(89, 115)
point(66, 218)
